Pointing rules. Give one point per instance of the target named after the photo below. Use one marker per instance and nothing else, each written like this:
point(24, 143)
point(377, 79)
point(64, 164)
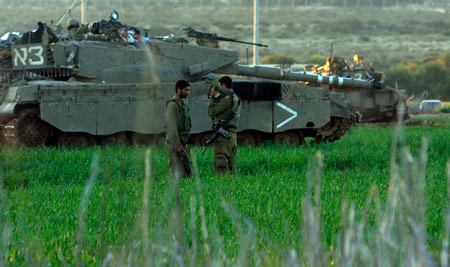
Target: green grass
point(44, 188)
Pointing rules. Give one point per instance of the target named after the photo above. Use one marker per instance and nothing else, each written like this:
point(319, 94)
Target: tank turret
point(376, 103)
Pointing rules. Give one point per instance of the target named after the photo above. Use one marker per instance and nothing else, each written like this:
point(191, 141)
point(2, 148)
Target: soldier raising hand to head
point(178, 124)
point(224, 109)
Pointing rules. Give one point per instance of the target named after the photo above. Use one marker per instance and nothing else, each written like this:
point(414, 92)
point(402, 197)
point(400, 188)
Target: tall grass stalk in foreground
point(388, 229)
point(399, 238)
point(4, 228)
point(83, 209)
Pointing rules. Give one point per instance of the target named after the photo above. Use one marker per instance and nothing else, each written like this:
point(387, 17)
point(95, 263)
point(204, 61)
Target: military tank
point(107, 83)
point(376, 104)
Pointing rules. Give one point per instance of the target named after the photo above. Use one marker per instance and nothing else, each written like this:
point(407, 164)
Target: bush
point(432, 76)
point(280, 59)
point(316, 59)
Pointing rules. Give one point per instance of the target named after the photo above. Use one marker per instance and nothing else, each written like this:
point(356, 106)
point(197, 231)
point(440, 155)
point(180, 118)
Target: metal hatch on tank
point(107, 83)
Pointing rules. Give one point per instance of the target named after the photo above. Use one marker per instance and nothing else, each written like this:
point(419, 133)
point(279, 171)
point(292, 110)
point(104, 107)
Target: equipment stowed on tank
point(376, 104)
point(108, 83)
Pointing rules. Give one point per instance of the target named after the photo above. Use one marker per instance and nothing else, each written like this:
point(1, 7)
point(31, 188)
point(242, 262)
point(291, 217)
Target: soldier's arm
point(210, 107)
point(217, 107)
point(171, 122)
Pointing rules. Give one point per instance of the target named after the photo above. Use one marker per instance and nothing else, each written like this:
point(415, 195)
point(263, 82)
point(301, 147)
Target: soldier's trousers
point(225, 154)
point(175, 163)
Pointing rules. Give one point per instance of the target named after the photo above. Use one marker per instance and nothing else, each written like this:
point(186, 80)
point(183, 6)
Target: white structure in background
point(430, 106)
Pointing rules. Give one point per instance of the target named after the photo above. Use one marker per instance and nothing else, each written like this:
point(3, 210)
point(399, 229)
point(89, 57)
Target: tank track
point(9, 134)
point(28, 130)
point(337, 128)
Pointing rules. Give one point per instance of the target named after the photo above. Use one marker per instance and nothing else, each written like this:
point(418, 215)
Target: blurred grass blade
point(145, 207)
point(81, 229)
point(204, 224)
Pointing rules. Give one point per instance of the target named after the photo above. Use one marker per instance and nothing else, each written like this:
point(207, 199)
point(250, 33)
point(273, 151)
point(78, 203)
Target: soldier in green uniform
point(178, 125)
point(224, 105)
point(76, 30)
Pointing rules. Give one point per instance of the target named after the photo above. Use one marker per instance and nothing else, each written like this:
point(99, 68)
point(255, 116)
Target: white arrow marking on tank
point(288, 109)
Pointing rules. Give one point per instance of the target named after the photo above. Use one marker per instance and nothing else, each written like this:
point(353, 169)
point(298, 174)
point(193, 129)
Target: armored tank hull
point(81, 114)
point(375, 105)
point(111, 87)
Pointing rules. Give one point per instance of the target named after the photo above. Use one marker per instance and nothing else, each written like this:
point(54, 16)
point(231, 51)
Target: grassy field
point(317, 204)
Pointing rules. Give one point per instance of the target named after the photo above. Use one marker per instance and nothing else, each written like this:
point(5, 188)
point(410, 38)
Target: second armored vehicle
point(376, 104)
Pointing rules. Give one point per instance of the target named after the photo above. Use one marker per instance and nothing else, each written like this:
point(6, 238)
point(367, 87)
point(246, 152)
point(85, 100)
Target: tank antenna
point(74, 5)
point(331, 50)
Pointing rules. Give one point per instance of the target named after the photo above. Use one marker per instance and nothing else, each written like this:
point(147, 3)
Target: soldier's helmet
point(72, 23)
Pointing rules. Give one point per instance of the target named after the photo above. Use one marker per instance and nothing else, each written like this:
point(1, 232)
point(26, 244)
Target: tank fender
point(338, 110)
point(7, 111)
point(16, 95)
point(102, 109)
point(10, 94)
point(27, 92)
point(339, 105)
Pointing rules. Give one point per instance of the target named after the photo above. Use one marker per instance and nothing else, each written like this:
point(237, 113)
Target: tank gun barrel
point(190, 32)
point(280, 74)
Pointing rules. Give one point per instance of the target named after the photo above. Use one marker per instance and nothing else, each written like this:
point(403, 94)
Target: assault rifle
point(190, 32)
point(220, 129)
point(185, 159)
point(187, 164)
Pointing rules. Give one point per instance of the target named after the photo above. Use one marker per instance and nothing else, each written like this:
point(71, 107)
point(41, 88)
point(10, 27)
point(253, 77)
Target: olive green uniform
point(78, 33)
point(178, 125)
point(219, 108)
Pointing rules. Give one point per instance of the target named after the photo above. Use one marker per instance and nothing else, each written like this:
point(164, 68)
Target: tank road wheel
point(75, 140)
point(31, 130)
point(119, 139)
point(289, 137)
point(333, 130)
point(249, 139)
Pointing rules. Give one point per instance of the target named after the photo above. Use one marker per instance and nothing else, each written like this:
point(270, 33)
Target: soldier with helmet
point(358, 65)
point(224, 106)
point(76, 30)
point(178, 124)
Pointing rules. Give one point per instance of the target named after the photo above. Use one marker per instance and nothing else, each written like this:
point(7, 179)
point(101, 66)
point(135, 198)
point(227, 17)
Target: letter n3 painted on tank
point(31, 56)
